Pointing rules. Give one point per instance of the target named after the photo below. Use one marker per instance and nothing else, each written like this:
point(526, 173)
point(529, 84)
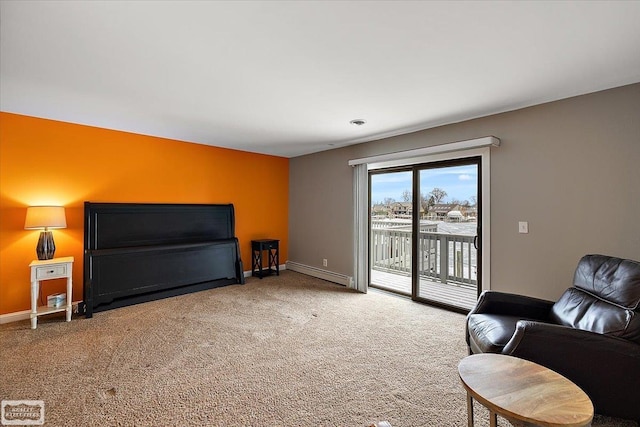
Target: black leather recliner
point(591, 335)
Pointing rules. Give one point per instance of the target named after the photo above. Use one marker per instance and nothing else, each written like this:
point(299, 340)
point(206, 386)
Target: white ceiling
point(285, 77)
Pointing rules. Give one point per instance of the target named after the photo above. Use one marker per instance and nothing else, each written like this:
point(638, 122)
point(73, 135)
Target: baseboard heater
point(330, 276)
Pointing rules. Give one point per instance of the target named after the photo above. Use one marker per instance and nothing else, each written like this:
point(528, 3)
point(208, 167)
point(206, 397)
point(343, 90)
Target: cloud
point(465, 177)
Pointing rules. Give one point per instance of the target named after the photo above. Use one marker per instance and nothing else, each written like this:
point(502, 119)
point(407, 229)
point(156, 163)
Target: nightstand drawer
point(51, 272)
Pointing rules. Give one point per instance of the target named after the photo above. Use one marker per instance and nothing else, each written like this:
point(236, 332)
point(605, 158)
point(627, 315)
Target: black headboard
point(139, 252)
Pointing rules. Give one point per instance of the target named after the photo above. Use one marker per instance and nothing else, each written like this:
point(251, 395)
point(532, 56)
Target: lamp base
point(46, 248)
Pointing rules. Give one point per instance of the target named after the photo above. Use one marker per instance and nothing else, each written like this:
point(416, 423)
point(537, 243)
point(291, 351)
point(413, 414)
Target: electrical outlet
point(324, 262)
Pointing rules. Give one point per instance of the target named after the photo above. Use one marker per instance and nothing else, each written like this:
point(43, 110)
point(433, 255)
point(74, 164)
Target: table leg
point(256, 263)
point(69, 297)
point(35, 290)
point(469, 410)
point(493, 419)
point(277, 260)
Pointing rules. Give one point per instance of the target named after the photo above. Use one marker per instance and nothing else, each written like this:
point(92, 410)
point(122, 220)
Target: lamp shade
point(45, 217)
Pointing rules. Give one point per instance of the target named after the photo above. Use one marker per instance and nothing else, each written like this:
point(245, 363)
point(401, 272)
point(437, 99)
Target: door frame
point(484, 153)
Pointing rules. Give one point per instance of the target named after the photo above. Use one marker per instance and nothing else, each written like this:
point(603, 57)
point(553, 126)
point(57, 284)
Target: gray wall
point(570, 168)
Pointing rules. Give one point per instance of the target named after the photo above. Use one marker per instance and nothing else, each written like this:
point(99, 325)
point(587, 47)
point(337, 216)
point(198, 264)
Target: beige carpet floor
point(283, 351)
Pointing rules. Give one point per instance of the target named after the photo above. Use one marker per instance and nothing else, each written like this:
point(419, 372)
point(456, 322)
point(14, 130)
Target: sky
point(460, 182)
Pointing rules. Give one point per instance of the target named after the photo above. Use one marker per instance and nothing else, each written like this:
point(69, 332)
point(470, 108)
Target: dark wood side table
point(258, 247)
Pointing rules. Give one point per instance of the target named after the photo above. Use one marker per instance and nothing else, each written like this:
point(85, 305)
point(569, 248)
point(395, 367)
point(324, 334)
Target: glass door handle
point(475, 242)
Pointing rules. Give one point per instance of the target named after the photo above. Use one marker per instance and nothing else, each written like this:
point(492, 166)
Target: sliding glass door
point(425, 233)
point(449, 233)
point(391, 230)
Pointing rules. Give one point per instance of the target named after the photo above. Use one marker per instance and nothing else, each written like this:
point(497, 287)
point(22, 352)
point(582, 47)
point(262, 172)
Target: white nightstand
point(56, 268)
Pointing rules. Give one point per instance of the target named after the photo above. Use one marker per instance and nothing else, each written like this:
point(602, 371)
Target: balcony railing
point(448, 258)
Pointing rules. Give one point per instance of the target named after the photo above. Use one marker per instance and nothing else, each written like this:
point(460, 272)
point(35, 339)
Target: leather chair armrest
point(607, 368)
point(512, 305)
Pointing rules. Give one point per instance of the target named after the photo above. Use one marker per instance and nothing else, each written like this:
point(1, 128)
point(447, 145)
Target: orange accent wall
point(50, 162)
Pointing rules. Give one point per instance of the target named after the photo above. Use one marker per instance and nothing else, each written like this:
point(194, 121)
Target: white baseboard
point(26, 314)
point(14, 317)
point(330, 276)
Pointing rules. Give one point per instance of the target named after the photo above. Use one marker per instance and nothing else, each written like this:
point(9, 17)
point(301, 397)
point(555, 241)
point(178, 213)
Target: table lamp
point(45, 217)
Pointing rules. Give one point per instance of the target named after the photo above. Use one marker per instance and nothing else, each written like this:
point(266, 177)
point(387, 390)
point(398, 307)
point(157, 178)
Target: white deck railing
point(442, 256)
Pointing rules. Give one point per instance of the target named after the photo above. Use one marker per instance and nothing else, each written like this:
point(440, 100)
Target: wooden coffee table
point(523, 392)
